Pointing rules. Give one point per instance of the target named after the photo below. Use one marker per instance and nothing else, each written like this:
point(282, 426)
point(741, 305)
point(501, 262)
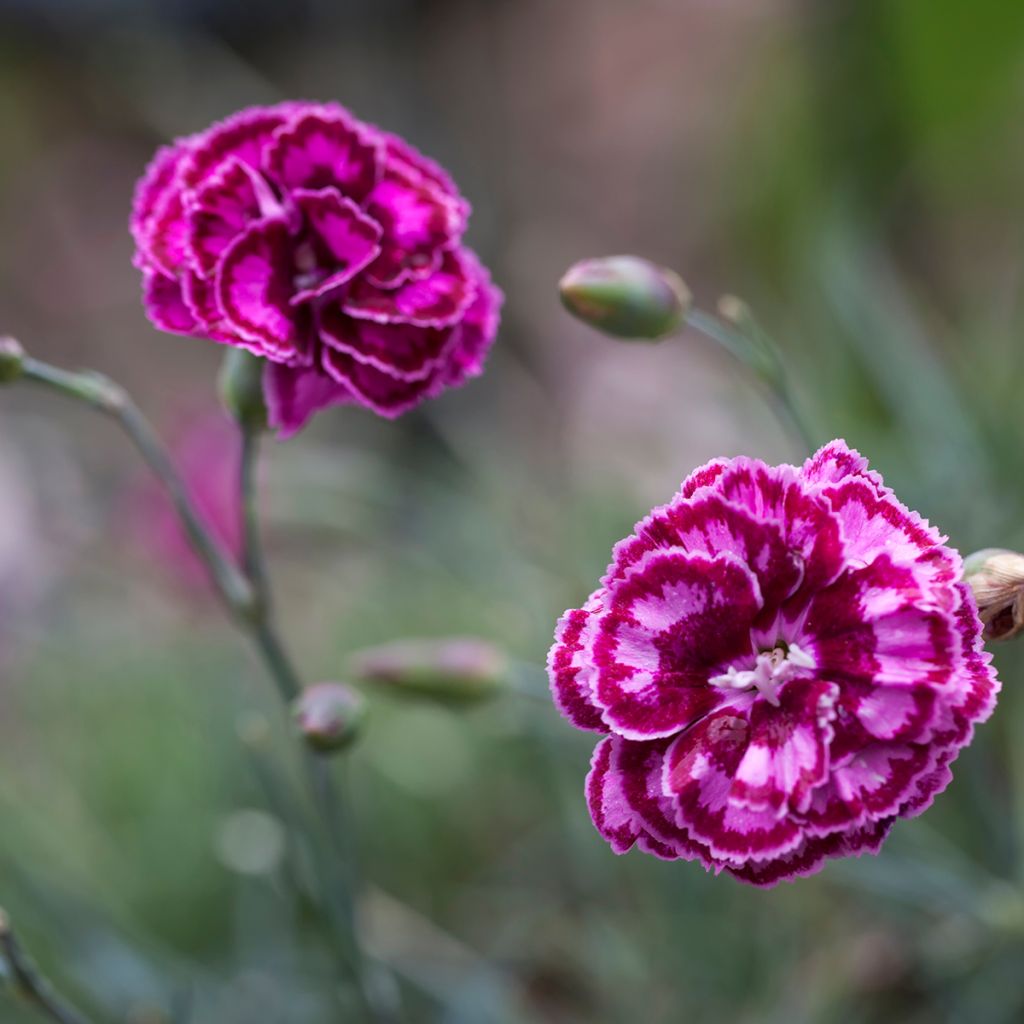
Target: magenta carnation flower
point(782, 661)
point(327, 246)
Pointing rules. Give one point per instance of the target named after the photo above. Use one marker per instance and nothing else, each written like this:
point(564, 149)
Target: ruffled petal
point(326, 148)
point(402, 351)
point(294, 393)
point(675, 620)
point(224, 205)
point(386, 395)
point(243, 136)
point(568, 668)
point(254, 289)
point(165, 305)
point(438, 300)
point(343, 240)
point(712, 525)
point(159, 179)
point(788, 754)
point(700, 766)
point(419, 223)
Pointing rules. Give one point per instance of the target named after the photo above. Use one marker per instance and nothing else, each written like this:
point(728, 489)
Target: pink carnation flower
point(782, 662)
point(323, 244)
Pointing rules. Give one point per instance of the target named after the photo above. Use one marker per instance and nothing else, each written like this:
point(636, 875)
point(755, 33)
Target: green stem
point(339, 871)
point(32, 986)
point(758, 353)
point(252, 546)
point(110, 398)
point(246, 595)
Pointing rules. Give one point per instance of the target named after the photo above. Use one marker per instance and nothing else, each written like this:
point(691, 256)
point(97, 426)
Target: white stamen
point(771, 669)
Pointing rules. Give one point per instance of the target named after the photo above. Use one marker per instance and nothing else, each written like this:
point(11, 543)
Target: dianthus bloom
point(329, 247)
point(782, 662)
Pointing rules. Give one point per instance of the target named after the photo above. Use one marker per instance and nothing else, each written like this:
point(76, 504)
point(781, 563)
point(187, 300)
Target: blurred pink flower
point(205, 449)
point(783, 662)
point(327, 246)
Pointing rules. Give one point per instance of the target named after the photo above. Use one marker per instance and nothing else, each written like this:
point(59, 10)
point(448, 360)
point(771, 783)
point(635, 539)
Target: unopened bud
point(329, 716)
point(735, 311)
point(456, 669)
point(626, 296)
point(12, 360)
point(996, 578)
point(241, 388)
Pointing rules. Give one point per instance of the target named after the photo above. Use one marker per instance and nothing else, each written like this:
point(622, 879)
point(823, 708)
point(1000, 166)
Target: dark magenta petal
point(419, 223)
point(400, 151)
point(612, 815)
point(835, 462)
point(165, 304)
point(156, 183)
point(811, 855)
point(326, 148)
point(641, 771)
point(788, 754)
point(243, 136)
point(225, 204)
point(711, 525)
point(664, 632)
point(343, 240)
point(402, 351)
point(254, 288)
point(438, 300)
point(476, 332)
point(775, 493)
point(569, 668)
point(875, 625)
point(168, 234)
point(294, 393)
point(386, 395)
point(699, 768)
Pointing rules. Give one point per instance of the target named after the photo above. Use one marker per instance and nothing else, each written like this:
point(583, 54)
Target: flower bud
point(241, 388)
point(329, 716)
point(996, 577)
point(626, 296)
point(455, 669)
point(12, 359)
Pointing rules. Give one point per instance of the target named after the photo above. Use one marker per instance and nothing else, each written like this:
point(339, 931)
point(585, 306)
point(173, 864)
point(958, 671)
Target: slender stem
point(759, 353)
point(246, 595)
point(329, 805)
point(252, 546)
point(106, 396)
point(30, 983)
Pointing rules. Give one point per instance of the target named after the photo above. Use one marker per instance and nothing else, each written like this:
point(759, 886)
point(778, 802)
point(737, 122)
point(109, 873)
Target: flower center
point(772, 668)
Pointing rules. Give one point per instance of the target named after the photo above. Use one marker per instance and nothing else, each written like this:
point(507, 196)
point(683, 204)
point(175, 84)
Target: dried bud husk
point(241, 388)
point(329, 716)
point(460, 670)
point(996, 578)
point(626, 296)
point(12, 360)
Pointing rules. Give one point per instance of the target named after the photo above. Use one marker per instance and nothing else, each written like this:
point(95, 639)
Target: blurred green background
point(852, 169)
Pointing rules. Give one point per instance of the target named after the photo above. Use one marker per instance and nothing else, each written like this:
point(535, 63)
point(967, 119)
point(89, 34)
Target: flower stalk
point(245, 592)
point(30, 984)
point(631, 298)
point(741, 336)
point(110, 398)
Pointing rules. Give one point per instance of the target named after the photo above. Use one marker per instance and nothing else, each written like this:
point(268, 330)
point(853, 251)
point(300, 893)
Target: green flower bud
point(626, 296)
point(996, 578)
point(12, 359)
point(329, 716)
point(241, 388)
point(460, 670)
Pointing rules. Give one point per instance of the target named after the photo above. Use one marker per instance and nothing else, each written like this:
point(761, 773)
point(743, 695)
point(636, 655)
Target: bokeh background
point(851, 168)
